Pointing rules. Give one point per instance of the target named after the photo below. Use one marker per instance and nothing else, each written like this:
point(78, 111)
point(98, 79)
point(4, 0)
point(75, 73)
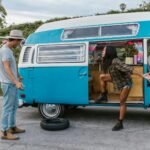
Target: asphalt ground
point(90, 129)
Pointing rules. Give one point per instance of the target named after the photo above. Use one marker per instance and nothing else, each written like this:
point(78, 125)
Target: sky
point(20, 11)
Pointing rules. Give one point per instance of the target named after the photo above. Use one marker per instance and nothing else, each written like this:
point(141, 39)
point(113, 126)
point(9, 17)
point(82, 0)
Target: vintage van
point(59, 68)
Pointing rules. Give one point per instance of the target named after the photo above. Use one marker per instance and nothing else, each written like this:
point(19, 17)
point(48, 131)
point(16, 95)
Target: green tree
point(123, 7)
point(146, 5)
point(3, 14)
point(29, 28)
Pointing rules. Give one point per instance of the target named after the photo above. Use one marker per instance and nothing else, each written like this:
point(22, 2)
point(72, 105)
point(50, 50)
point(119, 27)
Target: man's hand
point(19, 85)
point(20, 78)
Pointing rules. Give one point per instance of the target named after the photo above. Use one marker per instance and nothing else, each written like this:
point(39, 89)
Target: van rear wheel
point(50, 111)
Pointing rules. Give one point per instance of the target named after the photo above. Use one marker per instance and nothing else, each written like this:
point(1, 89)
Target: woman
point(120, 74)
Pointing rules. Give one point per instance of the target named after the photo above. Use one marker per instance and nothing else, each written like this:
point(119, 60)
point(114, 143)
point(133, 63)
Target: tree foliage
point(29, 28)
point(123, 7)
point(3, 14)
point(145, 5)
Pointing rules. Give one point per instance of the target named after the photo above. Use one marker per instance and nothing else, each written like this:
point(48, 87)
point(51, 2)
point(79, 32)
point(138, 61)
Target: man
point(9, 85)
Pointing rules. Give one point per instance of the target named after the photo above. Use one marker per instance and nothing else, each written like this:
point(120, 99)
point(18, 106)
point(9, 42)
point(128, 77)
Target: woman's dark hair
point(110, 54)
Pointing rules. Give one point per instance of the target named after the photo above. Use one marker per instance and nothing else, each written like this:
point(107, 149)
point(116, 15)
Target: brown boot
point(5, 135)
point(15, 130)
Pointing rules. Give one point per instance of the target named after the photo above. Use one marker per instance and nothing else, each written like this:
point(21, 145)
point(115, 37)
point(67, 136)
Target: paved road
point(90, 130)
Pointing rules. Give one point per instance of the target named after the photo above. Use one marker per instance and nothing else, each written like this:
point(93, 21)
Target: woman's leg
point(103, 82)
point(104, 78)
point(123, 97)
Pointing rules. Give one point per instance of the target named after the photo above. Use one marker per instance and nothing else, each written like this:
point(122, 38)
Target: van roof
point(95, 20)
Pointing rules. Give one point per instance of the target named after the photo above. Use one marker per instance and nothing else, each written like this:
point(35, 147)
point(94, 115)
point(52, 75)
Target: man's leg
point(7, 108)
point(12, 116)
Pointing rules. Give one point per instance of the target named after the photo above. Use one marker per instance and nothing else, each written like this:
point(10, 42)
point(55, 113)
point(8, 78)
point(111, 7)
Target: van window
point(32, 59)
point(116, 30)
point(81, 33)
point(26, 55)
point(61, 53)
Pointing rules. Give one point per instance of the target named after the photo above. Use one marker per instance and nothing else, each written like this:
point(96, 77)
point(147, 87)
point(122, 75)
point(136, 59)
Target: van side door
point(146, 70)
point(61, 73)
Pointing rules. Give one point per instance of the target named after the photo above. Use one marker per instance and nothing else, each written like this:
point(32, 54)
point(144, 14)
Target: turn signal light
point(22, 95)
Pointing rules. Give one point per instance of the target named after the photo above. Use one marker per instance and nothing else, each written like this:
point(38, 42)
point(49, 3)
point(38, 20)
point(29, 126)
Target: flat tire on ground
point(54, 124)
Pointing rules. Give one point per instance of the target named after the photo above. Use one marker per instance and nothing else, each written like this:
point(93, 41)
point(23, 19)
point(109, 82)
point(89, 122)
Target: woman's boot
point(118, 126)
point(102, 98)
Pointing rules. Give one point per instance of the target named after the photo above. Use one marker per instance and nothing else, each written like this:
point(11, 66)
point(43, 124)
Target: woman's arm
point(137, 73)
point(121, 66)
point(126, 68)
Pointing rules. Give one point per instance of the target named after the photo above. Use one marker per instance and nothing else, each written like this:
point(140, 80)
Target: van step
point(117, 102)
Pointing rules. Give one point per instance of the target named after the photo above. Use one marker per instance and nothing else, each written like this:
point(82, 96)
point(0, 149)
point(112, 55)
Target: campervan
point(59, 66)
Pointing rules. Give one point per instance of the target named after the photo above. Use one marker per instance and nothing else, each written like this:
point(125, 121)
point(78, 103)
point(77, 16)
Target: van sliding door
point(146, 70)
point(61, 73)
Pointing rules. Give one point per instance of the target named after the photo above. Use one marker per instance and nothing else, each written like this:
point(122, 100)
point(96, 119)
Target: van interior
point(131, 53)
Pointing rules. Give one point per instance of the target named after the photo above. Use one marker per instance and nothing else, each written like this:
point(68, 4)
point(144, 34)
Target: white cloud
point(20, 11)
point(25, 16)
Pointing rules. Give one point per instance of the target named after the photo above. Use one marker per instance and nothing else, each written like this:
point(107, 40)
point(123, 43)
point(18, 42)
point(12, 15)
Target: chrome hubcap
point(51, 110)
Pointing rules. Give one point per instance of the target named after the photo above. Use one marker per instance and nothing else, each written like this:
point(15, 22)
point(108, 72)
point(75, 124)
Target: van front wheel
point(50, 111)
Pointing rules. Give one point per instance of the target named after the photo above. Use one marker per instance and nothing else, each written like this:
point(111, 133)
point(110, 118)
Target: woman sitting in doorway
point(120, 74)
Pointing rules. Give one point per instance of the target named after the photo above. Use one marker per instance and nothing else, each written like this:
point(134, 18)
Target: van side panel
point(27, 81)
point(54, 36)
point(58, 85)
point(44, 37)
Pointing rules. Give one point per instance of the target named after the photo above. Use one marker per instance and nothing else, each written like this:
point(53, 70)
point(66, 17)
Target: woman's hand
point(147, 76)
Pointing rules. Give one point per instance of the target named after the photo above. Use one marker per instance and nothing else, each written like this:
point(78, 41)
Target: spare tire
point(54, 124)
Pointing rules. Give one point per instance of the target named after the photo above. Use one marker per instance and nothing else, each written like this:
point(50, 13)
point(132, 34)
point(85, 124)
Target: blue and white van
point(59, 68)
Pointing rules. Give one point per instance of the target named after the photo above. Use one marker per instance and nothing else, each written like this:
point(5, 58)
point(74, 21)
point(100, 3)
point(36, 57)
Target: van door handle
point(83, 74)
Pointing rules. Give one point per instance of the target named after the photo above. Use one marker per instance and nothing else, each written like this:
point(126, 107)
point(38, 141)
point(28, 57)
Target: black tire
point(54, 124)
point(50, 111)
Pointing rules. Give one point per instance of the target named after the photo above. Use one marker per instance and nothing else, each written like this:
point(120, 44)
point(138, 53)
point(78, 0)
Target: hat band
point(15, 36)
